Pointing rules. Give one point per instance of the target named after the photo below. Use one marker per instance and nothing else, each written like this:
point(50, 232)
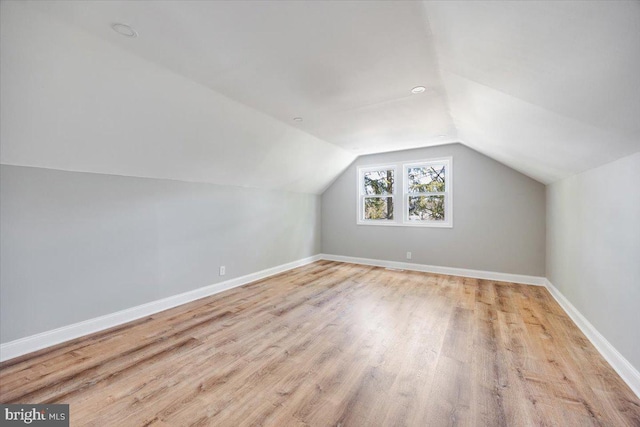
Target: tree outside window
point(425, 199)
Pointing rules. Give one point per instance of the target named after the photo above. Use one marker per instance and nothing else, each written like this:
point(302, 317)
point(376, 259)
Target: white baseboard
point(452, 271)
point(627, 372)
point(36, 342)
point(42, 340)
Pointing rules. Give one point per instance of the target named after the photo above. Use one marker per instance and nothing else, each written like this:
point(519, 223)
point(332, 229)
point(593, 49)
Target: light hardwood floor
point(337, 344)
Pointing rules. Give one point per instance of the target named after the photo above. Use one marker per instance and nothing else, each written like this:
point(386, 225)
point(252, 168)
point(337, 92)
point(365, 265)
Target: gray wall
point(78, 245)
point(498, 220)
point(593, 249)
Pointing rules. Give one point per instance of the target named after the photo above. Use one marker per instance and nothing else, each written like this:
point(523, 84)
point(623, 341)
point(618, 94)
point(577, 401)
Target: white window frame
point(361, 195)
point(448, 193)
point(401, 198)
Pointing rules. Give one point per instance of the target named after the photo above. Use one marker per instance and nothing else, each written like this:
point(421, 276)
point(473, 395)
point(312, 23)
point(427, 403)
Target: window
point(426, 198)
point(377, 193)
point(427, 193)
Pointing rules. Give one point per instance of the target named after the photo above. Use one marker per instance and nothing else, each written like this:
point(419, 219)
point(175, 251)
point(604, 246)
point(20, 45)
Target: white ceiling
point(548, 88)
point(345, 67)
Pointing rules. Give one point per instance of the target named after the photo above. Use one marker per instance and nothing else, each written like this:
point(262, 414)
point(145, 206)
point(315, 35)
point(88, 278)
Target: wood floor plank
point(336, 344)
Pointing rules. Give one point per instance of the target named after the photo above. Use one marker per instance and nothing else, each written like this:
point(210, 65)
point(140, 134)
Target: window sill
point(405, 224)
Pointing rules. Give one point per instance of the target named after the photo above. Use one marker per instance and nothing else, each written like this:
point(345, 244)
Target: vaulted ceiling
point(548, 88)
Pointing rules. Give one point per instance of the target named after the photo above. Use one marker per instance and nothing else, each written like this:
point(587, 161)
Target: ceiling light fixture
point(124, 30)
point(297, 119)
point(418, 89)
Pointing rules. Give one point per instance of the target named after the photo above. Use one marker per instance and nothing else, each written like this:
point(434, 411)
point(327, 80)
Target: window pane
point(428, 179)
point(378, 208)
point(378, 182)
point(426, 208)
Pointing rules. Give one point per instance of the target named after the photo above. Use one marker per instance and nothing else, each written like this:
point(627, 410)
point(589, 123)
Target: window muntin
point(426, 191)
point(421, 196)
point(376, 194)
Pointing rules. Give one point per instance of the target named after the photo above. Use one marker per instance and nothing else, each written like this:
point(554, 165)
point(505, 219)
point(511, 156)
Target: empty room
point(319, 213)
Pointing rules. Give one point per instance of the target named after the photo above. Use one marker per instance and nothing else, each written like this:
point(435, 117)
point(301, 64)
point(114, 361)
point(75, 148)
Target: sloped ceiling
point(548, 88)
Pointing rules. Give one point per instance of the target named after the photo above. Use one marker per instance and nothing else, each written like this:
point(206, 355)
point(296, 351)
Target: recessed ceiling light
point(297, 119)
point(418, 89)
point(441, 136)
point(124, 29)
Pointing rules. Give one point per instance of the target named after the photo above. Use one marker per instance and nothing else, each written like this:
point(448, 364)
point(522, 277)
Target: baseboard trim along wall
point(46, 339)
point(36, 342)
point(451, 271)
point(627, 372)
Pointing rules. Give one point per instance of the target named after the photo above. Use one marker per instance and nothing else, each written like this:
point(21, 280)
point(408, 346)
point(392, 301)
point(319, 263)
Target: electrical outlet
point(223, 270)
point(408, 255)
